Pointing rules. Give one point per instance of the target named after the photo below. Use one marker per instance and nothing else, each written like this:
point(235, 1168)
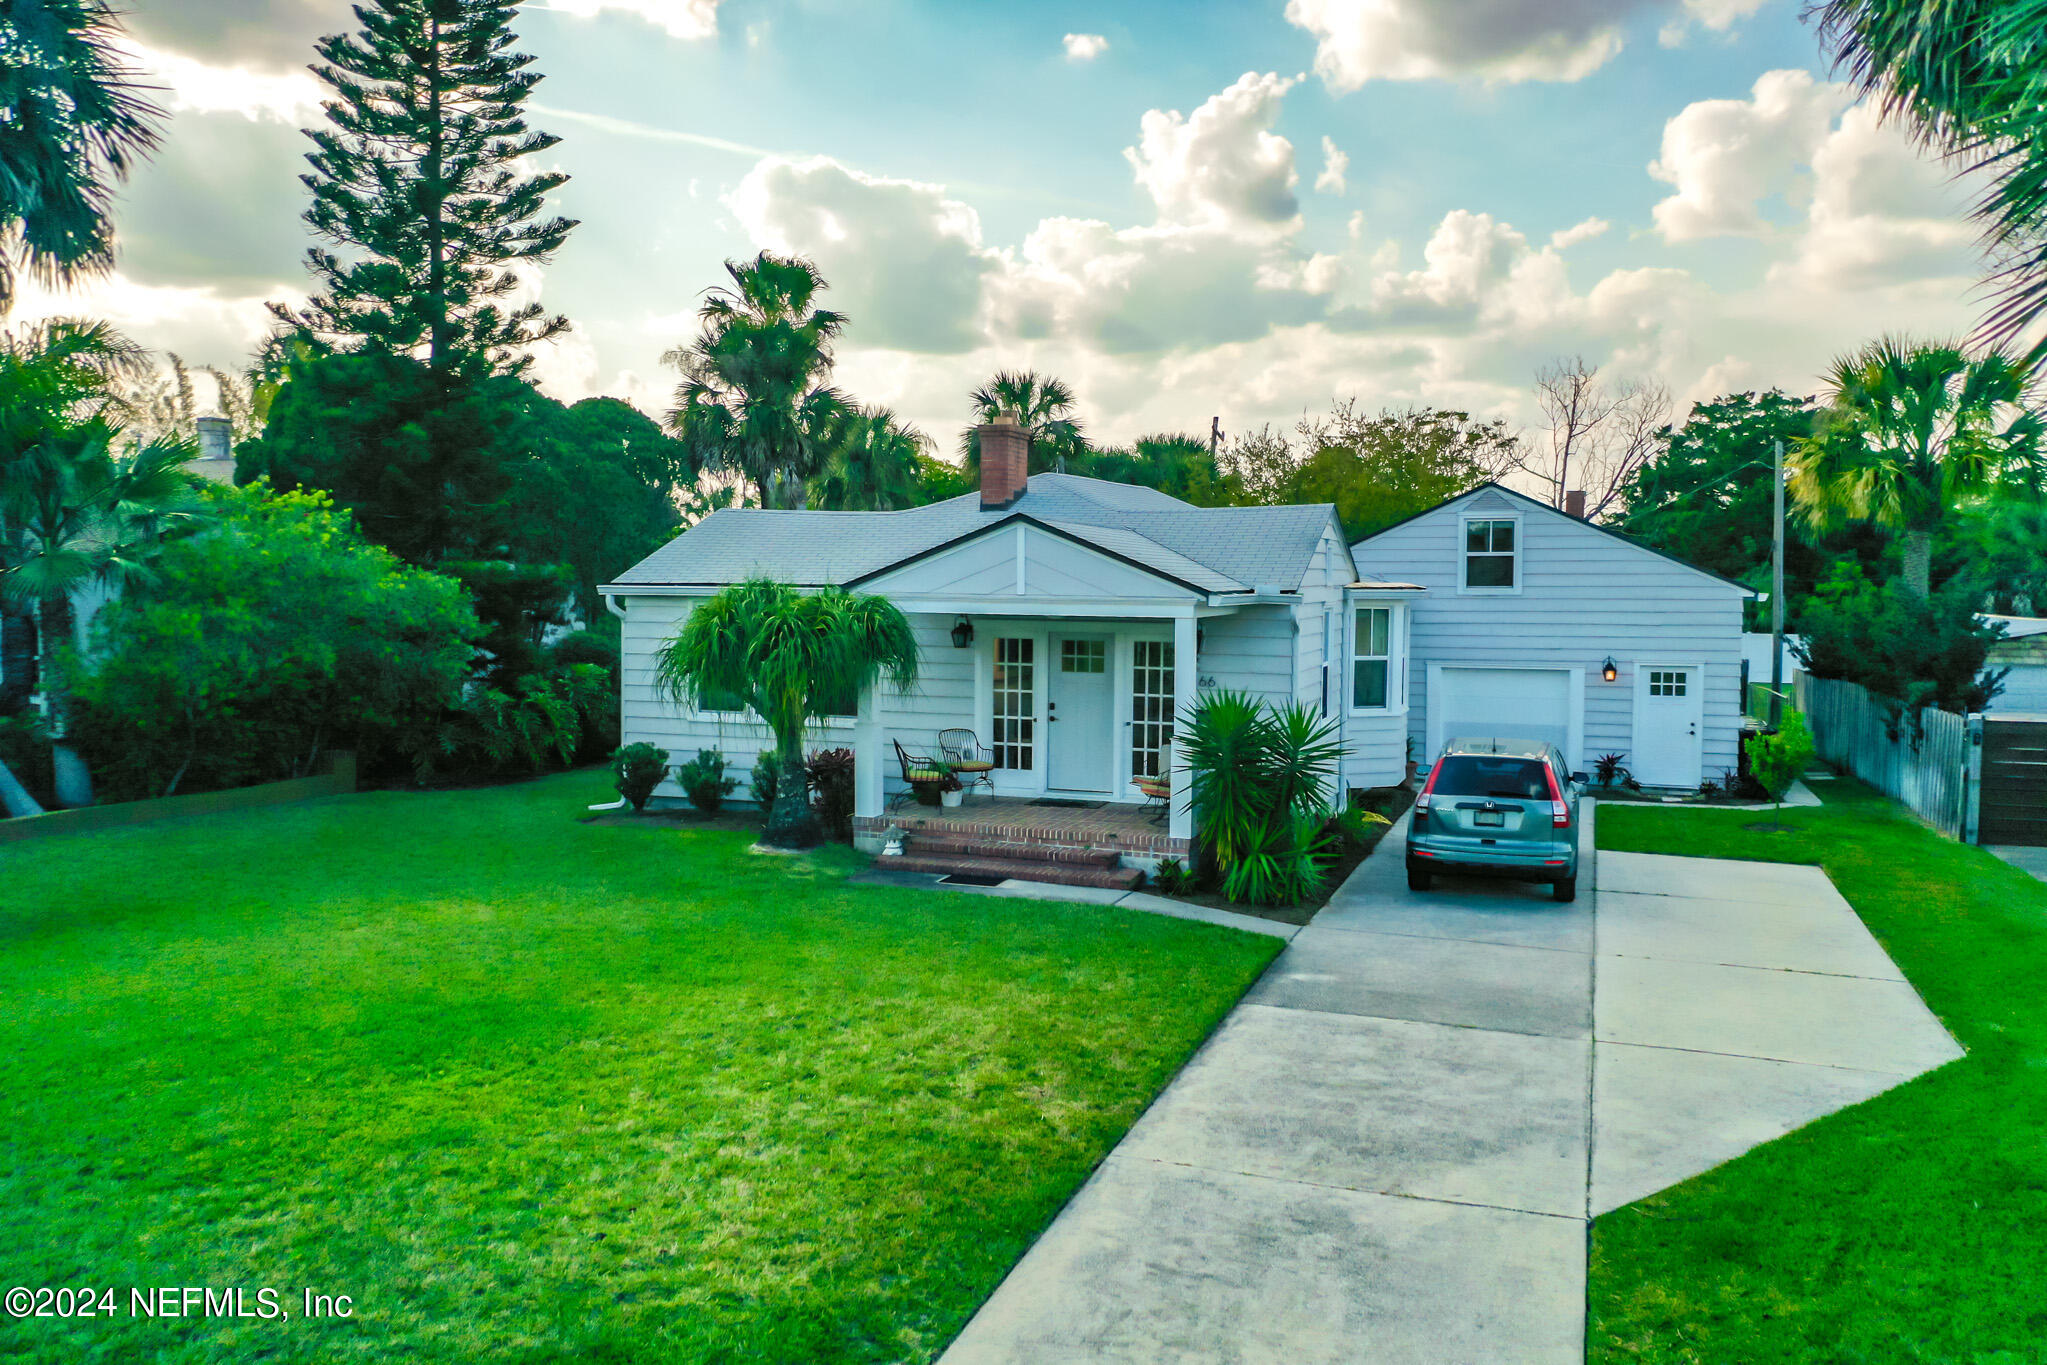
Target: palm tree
point(1910, 431)
point(873, 466)
point(792, 656)
point(1044, 407)
point(85, 511)
point(753, 398)
point(1970, 77)
point(52, 375)
point(73, 121)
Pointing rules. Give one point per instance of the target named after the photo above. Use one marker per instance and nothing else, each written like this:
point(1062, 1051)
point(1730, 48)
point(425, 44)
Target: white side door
point(1080, 703)
point(1670, 738)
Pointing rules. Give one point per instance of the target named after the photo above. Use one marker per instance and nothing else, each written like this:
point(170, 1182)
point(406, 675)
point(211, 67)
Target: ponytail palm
point(789, 655)
point(1911, 432)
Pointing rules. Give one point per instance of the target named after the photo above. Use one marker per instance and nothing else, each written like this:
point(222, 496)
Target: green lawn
point(1912, 1228)
point(528, 1089)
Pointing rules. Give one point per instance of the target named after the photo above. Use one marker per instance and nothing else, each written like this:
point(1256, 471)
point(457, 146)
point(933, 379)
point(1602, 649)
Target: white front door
point(1079, 710)
point(1669, 726)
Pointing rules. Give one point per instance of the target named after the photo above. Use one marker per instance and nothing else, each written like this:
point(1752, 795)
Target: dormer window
point(1492, 554)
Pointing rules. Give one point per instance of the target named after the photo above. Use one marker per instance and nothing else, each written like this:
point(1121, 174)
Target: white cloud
point(1084, 47)
point(1725, 156)
point(903, 258)
point(1497, 40)
point(1719, 16)
point(1335, 163)
point(1578, 232)
point(188, 84)
point(688, 20)
point(1221, 167)
point(202, 323)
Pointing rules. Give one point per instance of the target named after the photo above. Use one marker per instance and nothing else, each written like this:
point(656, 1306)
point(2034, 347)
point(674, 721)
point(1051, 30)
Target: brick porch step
point(1017, 850)
point(1018, 869)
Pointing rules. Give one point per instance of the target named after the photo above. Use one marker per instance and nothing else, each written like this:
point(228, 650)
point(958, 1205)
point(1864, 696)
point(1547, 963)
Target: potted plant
point(950, 792)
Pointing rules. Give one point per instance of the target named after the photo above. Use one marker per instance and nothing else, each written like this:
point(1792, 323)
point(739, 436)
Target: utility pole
point(1777, 587)
point(1215, 436)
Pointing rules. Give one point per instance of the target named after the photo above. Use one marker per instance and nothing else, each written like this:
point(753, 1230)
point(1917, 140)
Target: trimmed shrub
point(703, 780)
point(1776, 760)
point(1261, 781)
point(637, 770)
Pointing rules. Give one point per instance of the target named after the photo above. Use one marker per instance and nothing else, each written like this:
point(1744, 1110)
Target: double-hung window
point(1491, 555)
point(1371, 664)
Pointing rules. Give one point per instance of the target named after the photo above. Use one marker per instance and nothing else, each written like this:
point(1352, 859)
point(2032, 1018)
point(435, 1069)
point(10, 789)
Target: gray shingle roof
point(1221, 549)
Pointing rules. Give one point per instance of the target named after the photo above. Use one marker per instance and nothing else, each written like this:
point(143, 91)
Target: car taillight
point(1421, 803)
point(1559, 812)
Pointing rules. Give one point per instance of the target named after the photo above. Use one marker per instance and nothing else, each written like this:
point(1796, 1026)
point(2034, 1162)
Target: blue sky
point(1137, 197)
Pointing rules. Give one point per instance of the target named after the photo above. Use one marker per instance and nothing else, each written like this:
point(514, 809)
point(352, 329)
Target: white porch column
point(867, 745)
point(1186, 670)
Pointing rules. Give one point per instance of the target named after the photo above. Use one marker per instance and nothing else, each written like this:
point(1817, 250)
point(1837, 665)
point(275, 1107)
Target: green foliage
point(1377, 468)
point(516, 603)
point(703, 780)
point(421, 180)
point(1608, 767)
point(1260, 783)
point(636, 770)
point(538, 722)
point(1910, 432)
point(1358, 825)
point(262, 643)
point(1908, 650)
point(77, 121)
point(1043, 404)
point(1174, 463)
point(1777, 760)
point(588, 647)
point(425, 467)
point(829, 774)
point(876, 463)
point(754, 400)
point(1172, 878)
point(483, 469)
point(25, 749)
point(767, 776)
point(793, 657)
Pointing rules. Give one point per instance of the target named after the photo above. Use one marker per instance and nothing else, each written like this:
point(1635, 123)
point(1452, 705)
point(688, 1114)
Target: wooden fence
point(1931, 777)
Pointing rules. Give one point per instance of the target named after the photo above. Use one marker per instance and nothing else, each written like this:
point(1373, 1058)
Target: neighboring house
point(2023, 652)
point(1067, 620)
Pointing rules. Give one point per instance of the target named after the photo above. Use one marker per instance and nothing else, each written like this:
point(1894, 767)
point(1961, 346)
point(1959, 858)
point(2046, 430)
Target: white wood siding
point(1583, 595)
point(1249, 650)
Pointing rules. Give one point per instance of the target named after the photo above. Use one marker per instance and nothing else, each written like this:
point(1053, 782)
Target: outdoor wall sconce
point(1608, 670)
point(962, 633)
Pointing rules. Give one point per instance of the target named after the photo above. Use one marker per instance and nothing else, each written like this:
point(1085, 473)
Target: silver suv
point(1498, 808)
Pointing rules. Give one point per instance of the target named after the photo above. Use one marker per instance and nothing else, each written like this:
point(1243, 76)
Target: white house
point(1066, 621)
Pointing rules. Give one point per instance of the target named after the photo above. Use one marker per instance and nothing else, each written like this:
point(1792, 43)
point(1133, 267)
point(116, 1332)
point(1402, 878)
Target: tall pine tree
point(417, 180)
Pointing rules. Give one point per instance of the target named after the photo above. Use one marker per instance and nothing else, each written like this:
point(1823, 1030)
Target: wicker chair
point(961, 749)
point(1158, 794)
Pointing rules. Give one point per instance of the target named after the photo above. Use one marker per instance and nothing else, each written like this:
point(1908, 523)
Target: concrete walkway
point(2033, 860)
point(1091, 895)
point(1390, 1150)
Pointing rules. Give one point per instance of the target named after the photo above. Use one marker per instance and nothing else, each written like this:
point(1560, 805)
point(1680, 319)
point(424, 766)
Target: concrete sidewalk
point(1391, 1148)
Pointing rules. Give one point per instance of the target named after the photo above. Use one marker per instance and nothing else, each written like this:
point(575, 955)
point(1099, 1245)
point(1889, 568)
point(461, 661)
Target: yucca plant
point(1260, 779)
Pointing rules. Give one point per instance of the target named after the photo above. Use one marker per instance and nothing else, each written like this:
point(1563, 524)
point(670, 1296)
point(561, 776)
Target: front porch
point(1038, 827)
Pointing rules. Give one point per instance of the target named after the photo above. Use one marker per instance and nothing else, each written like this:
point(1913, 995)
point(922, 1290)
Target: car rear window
point(1479, 775)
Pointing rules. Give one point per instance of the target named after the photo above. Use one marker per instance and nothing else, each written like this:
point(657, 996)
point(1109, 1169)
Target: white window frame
point(1464, 524)
point(1395, 656)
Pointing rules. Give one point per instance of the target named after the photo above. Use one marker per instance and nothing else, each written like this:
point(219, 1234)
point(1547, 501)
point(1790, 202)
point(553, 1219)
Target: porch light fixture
point(1608, 670)
point(962, 633)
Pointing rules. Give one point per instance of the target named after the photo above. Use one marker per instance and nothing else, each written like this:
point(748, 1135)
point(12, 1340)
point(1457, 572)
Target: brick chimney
point(1005, 461)
point(1574, 503)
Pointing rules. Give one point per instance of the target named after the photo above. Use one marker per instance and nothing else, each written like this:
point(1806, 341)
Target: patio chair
point(1158, 794)
point(919, 770)
point(962, 751)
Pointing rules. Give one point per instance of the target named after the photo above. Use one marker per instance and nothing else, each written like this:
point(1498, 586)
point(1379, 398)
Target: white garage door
point(2025, 691)
point(1500, 703)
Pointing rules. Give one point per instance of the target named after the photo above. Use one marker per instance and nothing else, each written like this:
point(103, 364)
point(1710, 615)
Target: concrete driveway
point(1390, 1150)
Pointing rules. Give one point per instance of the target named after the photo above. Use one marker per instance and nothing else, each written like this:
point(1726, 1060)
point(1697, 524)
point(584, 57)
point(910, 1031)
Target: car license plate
point(1491, 817)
